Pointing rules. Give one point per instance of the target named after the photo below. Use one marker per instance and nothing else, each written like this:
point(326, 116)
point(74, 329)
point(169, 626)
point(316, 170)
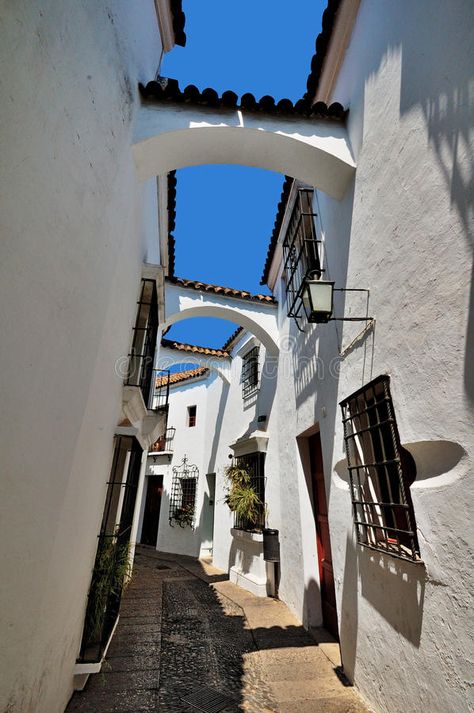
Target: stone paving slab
point(185, 628)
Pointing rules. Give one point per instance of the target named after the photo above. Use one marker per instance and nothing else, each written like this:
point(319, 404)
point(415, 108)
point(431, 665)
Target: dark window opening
point(192, 414)
point(250, 373)
point(254, 464)
point(142, 353)
point(300, 252)
point(381, 472)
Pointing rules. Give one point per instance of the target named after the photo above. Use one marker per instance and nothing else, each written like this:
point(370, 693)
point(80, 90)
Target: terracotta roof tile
point(194, 348)
point(219, 290)
point(321, 48)
point(165, 89)
point(287, 183)
point(171, 221)
point(232, 338)
point(179, 21)
point(180, 376)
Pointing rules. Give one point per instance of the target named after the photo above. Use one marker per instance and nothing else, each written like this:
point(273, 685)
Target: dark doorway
point(151, 516)
point(320, 511)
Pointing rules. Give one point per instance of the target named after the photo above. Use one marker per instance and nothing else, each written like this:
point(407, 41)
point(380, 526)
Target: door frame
point(150, 477)
point(303, 441)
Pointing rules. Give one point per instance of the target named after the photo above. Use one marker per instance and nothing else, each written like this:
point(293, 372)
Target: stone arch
point(254, 316)
point(241, 320)
point(172, 136)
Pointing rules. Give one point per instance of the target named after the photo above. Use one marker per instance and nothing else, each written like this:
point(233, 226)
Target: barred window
point(183, 494)
point(381, 472)
point(300, 252)
point(254, 464)
point(250, 373)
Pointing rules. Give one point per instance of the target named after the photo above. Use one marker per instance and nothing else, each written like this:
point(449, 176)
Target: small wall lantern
point(318, 300)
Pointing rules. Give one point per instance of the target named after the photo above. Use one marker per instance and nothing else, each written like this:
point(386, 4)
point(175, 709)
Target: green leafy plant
point(111, 573)
point(241, 497)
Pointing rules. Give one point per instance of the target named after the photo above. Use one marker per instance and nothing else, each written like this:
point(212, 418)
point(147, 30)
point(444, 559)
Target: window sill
point(247, 535)
point(83, 669)
point(390, 553)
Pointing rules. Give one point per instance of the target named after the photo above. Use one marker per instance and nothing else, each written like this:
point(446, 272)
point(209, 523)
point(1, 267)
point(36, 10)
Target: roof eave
point(171, 21)
point(331, 45)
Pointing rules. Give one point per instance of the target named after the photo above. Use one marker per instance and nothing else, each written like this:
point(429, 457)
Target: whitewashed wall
point(235, 419)
point(404, 230)
point(222, 417)
point(72, 244)
point(190, 442)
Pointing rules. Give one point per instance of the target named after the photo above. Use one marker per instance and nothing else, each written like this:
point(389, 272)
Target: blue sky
point(225, 214)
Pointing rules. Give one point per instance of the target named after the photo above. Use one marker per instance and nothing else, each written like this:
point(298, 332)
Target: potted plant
point(183, 516)
point(242, 498)
point(111, 573)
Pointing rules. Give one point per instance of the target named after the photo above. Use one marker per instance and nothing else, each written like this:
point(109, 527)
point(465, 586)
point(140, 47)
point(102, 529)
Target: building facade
point(372, 511)
point(373, 527)
point(81, 259)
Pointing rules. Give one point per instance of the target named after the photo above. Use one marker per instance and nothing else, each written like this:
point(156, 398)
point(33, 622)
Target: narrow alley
point(189, 640)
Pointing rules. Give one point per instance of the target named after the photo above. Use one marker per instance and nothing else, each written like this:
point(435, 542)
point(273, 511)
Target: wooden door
point(320, 511)
point(151, 516)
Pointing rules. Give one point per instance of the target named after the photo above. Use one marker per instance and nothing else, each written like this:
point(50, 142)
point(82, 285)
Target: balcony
point(159, 395)
point(164, 444)
point(300, 252)
point(149, 418)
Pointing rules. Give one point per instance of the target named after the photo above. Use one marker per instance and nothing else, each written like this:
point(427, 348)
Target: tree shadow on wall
point(439, 83)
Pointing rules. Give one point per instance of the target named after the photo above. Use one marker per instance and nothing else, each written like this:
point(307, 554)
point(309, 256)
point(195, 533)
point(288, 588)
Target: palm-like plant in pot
point(242, 498)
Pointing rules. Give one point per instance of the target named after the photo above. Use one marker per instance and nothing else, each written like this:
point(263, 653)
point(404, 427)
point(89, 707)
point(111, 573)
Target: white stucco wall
point(404, 230)
point(222, 417)
point(235, 419)
point(188, 441)
point(72, 244)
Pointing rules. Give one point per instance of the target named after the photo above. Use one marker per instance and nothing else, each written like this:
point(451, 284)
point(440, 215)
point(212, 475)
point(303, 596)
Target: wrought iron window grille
point(254, 464)
point(182, 510)
point(142, 352)
point(250, 373)
point(380, 472)
point(300, 253)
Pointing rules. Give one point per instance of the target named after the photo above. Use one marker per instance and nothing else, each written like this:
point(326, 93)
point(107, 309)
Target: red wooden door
point(320, 511)
point(151, 516)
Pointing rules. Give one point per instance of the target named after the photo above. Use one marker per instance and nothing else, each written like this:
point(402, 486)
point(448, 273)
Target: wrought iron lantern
point(318, 298)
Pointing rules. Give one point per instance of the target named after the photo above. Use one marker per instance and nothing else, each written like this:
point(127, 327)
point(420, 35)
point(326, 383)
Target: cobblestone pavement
point(185, 633)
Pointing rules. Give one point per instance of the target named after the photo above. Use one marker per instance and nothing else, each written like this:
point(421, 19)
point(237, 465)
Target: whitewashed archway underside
point(258, 318)
point(171, 136)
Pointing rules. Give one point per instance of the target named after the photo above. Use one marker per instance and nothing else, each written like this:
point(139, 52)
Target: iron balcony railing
point(159, 395)
point(142, 352)
point(300, 252)
point(164, 444)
